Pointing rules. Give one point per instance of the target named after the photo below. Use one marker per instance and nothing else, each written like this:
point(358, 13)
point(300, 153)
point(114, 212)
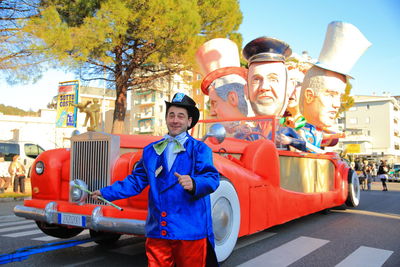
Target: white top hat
point(217, 58)
point(343, 46)
point(217, 53)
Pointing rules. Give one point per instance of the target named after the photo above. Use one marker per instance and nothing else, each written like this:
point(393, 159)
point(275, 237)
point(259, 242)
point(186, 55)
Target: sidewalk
point(5, 197)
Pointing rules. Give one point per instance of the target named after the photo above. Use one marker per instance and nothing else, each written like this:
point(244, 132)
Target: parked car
point(261, 185)
point(28, 152)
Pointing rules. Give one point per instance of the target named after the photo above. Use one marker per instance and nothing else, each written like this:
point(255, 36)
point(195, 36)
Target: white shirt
point(4, 169)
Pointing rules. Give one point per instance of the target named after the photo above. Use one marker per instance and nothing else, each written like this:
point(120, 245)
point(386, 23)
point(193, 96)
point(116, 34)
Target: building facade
point(42, 129)
point(372, 128)
point(147, 114)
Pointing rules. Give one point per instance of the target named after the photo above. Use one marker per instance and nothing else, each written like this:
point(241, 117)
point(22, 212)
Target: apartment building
point(148, 106)
point(372, 127)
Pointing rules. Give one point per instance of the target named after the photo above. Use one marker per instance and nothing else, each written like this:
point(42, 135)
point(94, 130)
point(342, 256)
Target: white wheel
point(226, 219)
point(353, 197)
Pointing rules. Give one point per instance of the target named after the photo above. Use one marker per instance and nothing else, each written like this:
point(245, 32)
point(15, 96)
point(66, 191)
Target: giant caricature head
point(227, 98)
point(325, 82)
point(320, 96)
point(267, 75)
point(224, 79)
point(296, 77)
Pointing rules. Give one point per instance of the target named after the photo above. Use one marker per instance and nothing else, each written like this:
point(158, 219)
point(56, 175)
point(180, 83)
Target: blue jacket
point(173, 213)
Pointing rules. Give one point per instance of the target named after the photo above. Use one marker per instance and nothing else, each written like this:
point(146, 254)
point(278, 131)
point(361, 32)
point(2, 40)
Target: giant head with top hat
point(224, 79)
point(267, 75)
point(325, 82)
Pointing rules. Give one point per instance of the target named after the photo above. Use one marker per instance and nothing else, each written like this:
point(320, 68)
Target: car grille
point(92, 158)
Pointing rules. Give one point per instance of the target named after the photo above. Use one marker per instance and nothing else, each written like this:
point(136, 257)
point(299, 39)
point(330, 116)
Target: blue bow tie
point(160, 146)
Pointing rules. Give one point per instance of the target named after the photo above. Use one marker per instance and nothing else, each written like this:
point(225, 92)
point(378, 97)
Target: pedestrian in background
point(17, 170)
point(368, 177)
point(5, 179)
point(383, 174)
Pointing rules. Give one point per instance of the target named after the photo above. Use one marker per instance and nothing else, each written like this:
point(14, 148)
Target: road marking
point(10, 218)
point(287, 253)
point(366, 256)
point(21, 227)
point(371, 213)
point(26, 233)
point(45, 238)
point(251, 239)
point(15, 223)
point(88, 244)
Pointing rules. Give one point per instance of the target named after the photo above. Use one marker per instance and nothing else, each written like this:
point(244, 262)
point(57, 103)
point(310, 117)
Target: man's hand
point(96, 194)
point(185, 181)
point(283, 139)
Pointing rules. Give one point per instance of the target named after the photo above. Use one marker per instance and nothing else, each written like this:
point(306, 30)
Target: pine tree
point(129, 43)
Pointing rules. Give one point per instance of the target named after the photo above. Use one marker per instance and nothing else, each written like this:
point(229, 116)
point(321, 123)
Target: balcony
point(144, 115)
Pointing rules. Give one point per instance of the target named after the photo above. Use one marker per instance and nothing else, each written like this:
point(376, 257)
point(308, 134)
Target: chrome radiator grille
point(92, 157)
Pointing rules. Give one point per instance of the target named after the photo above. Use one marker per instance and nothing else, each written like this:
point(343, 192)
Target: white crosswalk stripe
point(45, 238)
point(14, 223)
point(25, 233)
point(15, 228)
point(366, 256)
point(287, 253)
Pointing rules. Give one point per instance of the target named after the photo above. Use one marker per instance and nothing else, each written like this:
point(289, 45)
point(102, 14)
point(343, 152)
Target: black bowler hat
point(184, 101)
point(266, 49)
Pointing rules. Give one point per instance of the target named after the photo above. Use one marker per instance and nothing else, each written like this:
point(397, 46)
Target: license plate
point(72, 219)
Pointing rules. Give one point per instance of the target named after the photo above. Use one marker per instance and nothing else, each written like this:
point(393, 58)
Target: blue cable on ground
point(23, 253)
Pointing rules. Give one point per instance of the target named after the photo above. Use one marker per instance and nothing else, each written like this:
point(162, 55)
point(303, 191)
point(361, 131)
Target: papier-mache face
point(294, 87)
point(266, 92)
point(321, 97)
point(224, 79)
point(227, 99)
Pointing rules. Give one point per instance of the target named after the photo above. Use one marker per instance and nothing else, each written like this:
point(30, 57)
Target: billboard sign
point(66, 104)
point(353, 148)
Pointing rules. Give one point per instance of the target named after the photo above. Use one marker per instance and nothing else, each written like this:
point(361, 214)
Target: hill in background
point(8, 110)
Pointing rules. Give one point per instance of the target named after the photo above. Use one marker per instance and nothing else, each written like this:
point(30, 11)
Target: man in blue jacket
point(180, 172)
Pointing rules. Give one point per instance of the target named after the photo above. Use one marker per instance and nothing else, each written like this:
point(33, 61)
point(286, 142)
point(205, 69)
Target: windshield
point(249, 129)
point(9, 150)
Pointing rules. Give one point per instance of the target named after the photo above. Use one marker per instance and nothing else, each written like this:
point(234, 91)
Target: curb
point(11, 199)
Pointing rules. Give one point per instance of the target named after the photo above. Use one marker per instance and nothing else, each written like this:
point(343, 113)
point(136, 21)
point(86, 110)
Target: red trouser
point(167, 253)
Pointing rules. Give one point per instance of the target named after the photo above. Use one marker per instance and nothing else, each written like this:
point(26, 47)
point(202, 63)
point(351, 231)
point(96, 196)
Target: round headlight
point(77, 191)
point(39, 167)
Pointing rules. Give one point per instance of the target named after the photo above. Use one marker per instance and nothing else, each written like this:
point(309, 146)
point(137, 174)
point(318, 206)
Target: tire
point(58, 230)
point(226, 219)
point(353, 196)
point(104, 238)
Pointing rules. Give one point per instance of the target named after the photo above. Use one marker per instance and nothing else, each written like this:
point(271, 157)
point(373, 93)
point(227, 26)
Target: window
point(369, 132)
point(161, 108)
point(353, 108)
point(32, 150)
point(367, 106)
point(161, 95)
point(9, 150)
point(353, 120)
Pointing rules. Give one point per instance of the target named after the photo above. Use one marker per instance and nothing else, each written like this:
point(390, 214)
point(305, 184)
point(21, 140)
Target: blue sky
point(301, 24)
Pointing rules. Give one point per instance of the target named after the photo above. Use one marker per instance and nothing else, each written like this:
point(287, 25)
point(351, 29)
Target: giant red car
point(261, 185)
